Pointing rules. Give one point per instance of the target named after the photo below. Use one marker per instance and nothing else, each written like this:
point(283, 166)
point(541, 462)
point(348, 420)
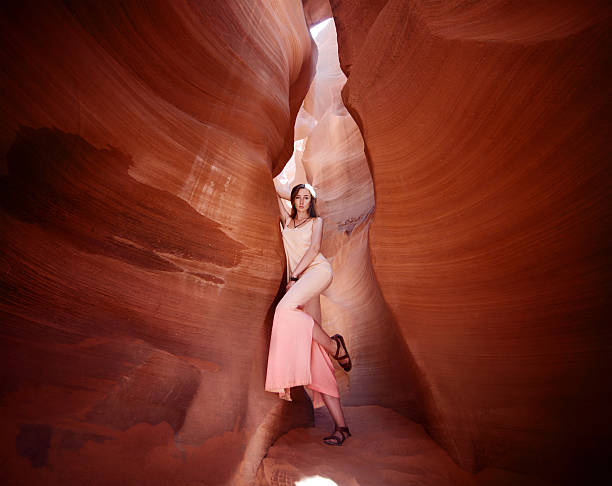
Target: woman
point(299, 346)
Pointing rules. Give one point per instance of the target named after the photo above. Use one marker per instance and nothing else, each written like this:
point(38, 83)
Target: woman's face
point(302, 199)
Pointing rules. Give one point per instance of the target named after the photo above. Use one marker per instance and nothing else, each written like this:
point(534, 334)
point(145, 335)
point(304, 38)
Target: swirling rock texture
point(140, 252)
point(141, 255)
point(486, 126)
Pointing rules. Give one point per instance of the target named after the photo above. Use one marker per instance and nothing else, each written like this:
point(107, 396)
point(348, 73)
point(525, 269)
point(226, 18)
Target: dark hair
point(311, 208)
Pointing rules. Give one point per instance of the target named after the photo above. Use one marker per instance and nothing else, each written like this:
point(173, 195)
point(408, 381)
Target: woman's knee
point(285, 305)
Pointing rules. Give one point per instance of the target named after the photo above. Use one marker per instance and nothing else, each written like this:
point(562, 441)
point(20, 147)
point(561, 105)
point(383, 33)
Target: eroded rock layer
point(140, 252)
point(487, 130)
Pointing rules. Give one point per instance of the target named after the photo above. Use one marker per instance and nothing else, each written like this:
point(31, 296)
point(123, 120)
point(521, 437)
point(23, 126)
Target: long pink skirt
point(294, 357)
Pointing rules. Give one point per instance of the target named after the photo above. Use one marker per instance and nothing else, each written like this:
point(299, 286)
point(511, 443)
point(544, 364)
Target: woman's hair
point(311, 208)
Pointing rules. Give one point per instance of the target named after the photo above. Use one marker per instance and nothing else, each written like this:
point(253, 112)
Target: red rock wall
point(140, 255)
point(140, 252)
point(486, 126)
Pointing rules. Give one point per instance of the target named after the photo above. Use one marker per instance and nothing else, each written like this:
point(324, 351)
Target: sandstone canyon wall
point(140, 252)
point(486, 126)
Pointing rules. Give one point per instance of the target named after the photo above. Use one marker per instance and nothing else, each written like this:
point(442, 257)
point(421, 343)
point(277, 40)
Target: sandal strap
point(343, 431)
point(336, 438)
point(339, 342)
point(347, 364)
point(337, 346)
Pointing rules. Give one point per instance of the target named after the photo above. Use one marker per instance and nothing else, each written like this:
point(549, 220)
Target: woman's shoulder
point(317, 221)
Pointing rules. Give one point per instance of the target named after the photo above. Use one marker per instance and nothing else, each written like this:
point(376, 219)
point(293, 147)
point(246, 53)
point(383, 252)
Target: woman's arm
point(284, 214)
point(282, 190)
point(315, 247)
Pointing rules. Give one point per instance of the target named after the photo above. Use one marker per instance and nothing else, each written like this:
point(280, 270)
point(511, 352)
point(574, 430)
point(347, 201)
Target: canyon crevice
point(466, 200)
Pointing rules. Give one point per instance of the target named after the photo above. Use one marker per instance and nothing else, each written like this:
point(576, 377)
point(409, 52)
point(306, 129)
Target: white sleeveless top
point(297, 241)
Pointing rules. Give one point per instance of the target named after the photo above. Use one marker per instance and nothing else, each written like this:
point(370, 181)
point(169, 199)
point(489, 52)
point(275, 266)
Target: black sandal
point(335, 438)
point(340, 341)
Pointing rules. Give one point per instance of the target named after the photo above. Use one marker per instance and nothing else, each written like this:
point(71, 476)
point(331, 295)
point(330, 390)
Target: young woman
point(299, 346)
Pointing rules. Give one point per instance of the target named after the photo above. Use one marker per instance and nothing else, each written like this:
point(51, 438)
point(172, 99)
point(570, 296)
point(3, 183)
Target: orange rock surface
point(140, 252)
point(141, 258)
point(486, 126)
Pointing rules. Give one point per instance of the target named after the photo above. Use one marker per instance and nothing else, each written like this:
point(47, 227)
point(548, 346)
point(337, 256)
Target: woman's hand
point(282, 190)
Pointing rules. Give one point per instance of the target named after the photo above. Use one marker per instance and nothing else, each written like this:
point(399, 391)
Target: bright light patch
point(314, 31)
point(315, 481)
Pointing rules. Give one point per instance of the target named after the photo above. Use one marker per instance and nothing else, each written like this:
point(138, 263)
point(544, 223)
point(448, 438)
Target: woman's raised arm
point(283, 190)
point(284, 214)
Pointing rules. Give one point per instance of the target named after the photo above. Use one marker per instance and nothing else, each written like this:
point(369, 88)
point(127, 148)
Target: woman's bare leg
point(320, 336)
point(330, 345)
point(332, 403)
point(335, 409)
point(313, 307)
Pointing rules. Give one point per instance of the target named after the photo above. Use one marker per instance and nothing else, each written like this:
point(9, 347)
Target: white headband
point(311, 189)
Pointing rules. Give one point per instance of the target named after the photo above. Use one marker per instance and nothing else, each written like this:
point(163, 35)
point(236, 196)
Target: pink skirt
point(294, 358)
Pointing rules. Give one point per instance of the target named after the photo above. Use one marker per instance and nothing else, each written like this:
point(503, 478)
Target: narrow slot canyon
point(460, 153)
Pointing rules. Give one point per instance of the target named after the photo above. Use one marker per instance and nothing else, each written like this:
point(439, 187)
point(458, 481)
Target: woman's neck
point(301, 216)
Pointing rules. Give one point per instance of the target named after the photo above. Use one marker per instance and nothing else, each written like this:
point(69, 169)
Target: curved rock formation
point(316, 11)
point(139, 253)
point(487, 130)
